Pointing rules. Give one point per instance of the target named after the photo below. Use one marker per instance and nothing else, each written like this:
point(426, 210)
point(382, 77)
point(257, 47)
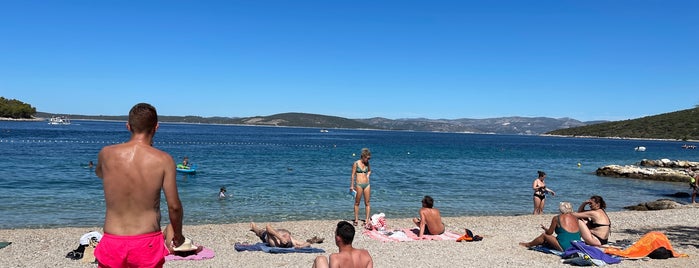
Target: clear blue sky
point(588, 60)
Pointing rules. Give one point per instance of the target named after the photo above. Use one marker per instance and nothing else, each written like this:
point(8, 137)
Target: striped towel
point(407, 234)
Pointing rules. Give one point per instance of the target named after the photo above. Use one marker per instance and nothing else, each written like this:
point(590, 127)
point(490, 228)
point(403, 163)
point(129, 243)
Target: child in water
point(222, 193)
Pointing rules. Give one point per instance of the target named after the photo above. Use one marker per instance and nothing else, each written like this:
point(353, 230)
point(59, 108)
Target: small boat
point(640, 149)
point(186, 169)
point(59, 120)
point(689, 146)
point(324, 131)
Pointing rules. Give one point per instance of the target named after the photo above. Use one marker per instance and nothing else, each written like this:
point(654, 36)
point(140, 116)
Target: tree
point(15, 109)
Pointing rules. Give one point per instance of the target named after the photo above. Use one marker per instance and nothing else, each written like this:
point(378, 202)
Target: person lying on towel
point(277, 237)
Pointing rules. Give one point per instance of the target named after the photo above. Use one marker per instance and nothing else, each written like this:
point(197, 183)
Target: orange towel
point(644, 246)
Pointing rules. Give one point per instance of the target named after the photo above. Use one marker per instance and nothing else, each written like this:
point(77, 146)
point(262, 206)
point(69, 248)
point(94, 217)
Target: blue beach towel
point(545, 249)
point(592, 252)
point(264, 247)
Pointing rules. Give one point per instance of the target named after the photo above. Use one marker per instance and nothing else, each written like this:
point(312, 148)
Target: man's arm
point(174, 205)
point(423, 222)
point(98, 168)
point(298, 244)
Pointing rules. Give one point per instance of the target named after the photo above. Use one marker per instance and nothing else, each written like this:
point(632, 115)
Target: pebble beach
point(499, 248)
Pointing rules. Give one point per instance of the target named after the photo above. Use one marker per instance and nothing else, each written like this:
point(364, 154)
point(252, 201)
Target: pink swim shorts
point(146, 250)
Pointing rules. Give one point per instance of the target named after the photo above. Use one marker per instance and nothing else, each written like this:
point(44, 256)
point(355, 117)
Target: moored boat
point(59, 120)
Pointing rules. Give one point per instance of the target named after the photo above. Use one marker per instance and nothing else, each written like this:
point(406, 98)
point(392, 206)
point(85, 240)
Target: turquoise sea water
point(280, 173)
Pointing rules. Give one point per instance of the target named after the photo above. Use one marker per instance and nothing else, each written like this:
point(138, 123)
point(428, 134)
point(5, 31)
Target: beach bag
point(660, 253)
point(468, 237)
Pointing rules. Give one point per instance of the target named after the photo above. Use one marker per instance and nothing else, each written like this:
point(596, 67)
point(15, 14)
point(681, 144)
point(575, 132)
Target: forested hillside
point(680, 125)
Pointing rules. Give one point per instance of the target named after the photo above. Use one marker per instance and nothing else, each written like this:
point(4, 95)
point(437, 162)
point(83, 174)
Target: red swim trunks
point(146, 250)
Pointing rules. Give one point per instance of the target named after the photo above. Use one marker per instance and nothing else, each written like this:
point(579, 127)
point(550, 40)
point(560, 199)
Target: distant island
point(679, 125)
point(503, 125)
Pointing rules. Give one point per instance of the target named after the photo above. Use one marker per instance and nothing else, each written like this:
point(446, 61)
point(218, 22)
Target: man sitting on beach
point(133, 176)
point(348, 255)
point(430, 221)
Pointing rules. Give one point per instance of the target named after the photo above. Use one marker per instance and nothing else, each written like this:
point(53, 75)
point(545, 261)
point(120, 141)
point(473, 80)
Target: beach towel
point(545, 249)
point(407, 234)
point(580, 250)
point(266, 248)
point(650, 242)
point(204, 254)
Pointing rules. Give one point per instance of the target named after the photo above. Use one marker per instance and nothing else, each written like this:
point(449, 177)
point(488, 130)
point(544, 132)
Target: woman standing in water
point(360, 183)
point(540, 192)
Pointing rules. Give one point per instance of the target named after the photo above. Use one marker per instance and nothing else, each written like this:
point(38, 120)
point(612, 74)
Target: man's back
point(352, 258)
point(433, 219)
point(133, 175)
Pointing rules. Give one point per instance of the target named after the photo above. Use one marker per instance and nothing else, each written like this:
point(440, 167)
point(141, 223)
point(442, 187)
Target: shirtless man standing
point(348, 256)
point(430, 221)
point(133, 174)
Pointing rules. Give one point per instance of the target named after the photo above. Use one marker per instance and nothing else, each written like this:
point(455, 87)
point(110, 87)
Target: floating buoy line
point(167, 143)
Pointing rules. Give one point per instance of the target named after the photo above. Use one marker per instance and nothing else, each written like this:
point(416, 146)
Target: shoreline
point(48, 247)
point(39, 119)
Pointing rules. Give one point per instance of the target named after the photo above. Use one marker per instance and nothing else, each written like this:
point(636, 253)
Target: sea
point(287, 173)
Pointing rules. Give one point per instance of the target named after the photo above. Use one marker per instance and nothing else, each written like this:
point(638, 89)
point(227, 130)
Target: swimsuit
point(146, 250)
point(264, 238)
point(540, 193)
point(360, 170)
point(427, 231)
point(593, 225)
point(564, 237)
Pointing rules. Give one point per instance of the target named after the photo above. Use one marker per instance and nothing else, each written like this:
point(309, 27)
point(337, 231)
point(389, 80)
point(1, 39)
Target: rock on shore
point(660, 170)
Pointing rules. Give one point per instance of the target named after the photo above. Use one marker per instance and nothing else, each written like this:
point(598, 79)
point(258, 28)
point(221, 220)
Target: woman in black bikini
point(540, 192)
point(595, 225)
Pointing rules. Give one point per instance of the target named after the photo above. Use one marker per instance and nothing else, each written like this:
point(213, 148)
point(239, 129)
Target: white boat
point(59, 120)
point(640, 149)
point(324, 131)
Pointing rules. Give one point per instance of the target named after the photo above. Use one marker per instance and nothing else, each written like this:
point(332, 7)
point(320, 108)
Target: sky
point(586, 60)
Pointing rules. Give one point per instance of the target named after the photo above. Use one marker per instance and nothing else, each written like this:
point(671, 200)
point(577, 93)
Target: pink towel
point(407, 234)
point(205, 253)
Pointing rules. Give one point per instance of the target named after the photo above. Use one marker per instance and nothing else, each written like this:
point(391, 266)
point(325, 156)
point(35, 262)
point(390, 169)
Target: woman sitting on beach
point(540, 192)
point(595, 225)
point(277, 237)
point(565, 225)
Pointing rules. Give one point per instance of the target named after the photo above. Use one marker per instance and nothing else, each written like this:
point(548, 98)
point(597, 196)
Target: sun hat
point(187, 245)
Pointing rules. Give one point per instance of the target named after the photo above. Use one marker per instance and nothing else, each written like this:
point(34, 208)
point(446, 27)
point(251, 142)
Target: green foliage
point(680, 125)
point(15, 109)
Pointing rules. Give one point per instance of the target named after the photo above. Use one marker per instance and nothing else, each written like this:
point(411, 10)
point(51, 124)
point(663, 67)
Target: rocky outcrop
point(655, 205)
point(669, 163)
point(636, 172)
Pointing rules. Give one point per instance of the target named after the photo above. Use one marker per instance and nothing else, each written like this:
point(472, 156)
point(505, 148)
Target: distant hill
point(284, 119)
point(504, 125)
point(680, 125)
